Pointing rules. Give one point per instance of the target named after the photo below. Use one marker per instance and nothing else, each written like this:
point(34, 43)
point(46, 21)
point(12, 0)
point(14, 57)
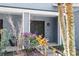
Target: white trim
point(29, 21)
point(20, 11)
point(44, 13)
point(60, 37)
point(23, 21)
point(58, 34)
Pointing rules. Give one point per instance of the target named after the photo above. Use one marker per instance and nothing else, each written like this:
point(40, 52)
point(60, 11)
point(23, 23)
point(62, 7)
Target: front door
point(1, 26)
point(37, 26)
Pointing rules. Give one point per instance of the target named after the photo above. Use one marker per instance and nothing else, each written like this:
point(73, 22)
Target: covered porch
point(17, 21)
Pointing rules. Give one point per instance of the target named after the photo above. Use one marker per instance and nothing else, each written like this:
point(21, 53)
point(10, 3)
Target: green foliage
point(4, 40)
point(30, 40)
point(33, 42)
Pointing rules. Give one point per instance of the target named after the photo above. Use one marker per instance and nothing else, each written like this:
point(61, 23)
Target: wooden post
point(62, 27)
point(70, 29)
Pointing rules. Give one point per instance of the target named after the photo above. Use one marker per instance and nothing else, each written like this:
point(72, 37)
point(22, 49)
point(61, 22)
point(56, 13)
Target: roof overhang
point(6, 10)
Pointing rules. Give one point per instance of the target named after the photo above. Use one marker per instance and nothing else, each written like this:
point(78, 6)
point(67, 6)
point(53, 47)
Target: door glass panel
point(37, 26)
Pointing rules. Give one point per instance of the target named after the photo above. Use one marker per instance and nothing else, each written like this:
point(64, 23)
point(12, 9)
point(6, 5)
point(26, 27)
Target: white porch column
point(26, 22)
point(59, 35)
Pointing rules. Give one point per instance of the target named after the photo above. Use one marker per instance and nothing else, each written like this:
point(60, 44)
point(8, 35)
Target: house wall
point(50, 31)
point(76, 18)
point(17, 19)
point(6, 24)
point(41, 6)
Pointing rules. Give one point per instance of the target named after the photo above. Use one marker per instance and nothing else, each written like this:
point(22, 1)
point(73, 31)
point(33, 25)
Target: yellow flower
point(41, 41)
point(40, 36)
point(37, 38)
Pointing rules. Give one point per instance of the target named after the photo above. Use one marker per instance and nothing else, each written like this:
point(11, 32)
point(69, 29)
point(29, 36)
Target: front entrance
point(37, 26)
point(1, 26)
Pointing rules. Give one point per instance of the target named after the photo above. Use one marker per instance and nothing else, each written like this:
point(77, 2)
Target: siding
point(40, 6)
point(76, 18)
point(6, 25)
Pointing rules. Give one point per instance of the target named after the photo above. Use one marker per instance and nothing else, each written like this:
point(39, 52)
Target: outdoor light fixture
point(48, 24)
